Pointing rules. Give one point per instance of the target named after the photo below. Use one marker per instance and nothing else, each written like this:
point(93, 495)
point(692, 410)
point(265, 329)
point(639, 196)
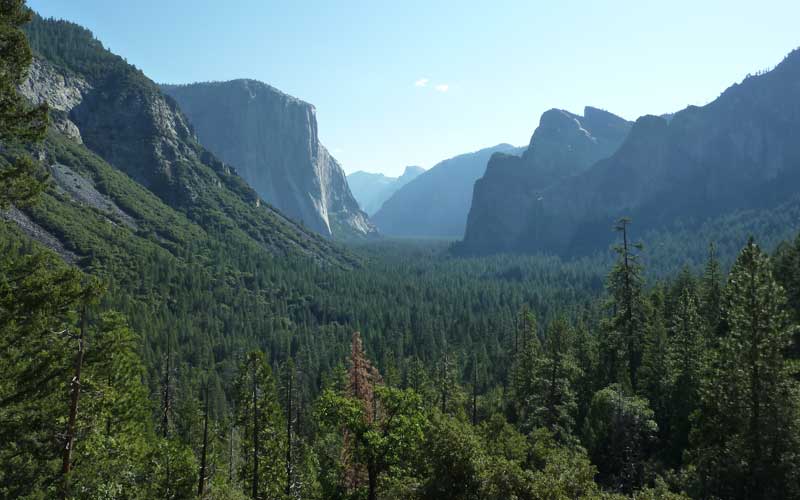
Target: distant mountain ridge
point(371, 189)
point(739, 152)
point(436, 204)
point(271, 138)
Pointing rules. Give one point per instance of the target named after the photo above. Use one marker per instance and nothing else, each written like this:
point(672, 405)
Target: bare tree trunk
point(230, 455)
point(75, 394)
point(475, 392)
point(289, 433)
point(166, 404)
point(201, 487)
point(372, 474)
point(255, 431)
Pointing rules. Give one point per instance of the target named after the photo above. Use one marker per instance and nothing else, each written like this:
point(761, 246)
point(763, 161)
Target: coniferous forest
point(179, 355)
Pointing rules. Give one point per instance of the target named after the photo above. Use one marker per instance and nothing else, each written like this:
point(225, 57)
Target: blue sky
point(415, 82)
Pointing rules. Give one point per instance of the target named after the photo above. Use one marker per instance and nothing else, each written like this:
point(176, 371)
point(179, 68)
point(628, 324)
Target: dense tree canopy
point(165, 361)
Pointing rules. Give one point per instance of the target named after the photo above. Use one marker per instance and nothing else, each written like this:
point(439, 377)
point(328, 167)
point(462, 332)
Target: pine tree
point(21, 179)
point(74, 397)
point(551, 404)
point(382, 426)
point(747, 434)
point(259, 416)
point(623, 333)
point(656, 378)
point(586, 357)
point(39, 303)
point(687, 350)
point(711, 293)
point(203, 473)
point(524, 363)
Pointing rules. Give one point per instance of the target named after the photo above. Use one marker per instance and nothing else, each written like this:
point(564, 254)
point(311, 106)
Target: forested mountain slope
point(115, 111)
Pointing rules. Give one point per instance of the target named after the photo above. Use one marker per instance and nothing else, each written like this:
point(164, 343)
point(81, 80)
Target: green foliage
point(21, 179)
point(746, 437)
point(454, 457)
point(622, 342)
point(553, 403)
point(619, 434)
point(375, 445)
point(258, 415)
point(643, 392)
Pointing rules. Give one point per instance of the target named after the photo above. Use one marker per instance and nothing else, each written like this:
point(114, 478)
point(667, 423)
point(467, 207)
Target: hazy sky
point(412, 83)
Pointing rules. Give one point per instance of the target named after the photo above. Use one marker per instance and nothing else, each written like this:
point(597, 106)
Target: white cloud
point(442, 87)
point(422, 82)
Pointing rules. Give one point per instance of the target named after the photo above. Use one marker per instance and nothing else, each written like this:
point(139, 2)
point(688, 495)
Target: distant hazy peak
point(373, 189)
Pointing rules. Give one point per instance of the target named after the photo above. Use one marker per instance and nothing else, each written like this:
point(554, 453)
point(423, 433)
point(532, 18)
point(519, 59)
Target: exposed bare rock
point(271, 139)
point(38, 233)
point(83, 191)
point(61, 91)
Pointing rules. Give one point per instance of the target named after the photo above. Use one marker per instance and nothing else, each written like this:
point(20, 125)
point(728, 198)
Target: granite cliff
point(738, 153)
point(271, 139)
point(563, 145)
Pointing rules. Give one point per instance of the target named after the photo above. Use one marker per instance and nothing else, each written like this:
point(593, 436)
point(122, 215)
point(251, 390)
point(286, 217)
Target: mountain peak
point(272, 140)
point(412, 170)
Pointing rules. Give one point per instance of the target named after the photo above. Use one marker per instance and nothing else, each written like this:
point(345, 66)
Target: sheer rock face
point(271, 139)
point(137, 128)
point(562, 146)
point(740, 152)
point(59, 90)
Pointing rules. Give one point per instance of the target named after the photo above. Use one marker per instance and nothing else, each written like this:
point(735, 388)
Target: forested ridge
point(169, 360)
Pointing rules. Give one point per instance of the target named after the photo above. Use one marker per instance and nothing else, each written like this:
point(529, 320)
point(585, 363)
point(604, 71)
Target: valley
point(197, 302)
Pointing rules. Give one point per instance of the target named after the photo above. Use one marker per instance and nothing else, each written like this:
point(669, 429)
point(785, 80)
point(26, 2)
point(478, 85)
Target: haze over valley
point(460, 273)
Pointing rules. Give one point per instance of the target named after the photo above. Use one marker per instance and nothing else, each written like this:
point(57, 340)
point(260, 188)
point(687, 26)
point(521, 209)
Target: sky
point(416, 82)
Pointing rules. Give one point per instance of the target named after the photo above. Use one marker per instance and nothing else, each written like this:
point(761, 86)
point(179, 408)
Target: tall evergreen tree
point(382, 426)
point(746, 438)
point(711, 292)
point(524, 363)
point(624, 331)
point(687, 360)
point(259, 416)
point(551, 404)
point(656, 380)
point(21, 178)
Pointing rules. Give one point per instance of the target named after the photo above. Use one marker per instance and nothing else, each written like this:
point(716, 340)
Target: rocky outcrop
point(60, 90)
point(740, 152)
point(436, 204)
point(372, 190)
point(271, 139)
point(563, 145)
